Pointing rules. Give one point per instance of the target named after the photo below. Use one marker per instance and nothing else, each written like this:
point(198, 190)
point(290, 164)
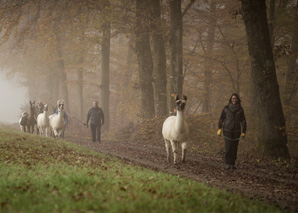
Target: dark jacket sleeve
point(222, 118)
point(88, 116)
point(102, 118)
point(243, 122)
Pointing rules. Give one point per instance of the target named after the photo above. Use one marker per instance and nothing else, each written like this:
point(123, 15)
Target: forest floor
point(270, 180)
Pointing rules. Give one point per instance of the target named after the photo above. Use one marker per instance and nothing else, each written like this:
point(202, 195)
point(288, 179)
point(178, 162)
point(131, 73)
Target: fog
point(12, 98)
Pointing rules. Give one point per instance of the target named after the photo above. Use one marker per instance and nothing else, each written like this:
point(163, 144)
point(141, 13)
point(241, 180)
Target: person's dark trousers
point(95, 129)
point(231, 147)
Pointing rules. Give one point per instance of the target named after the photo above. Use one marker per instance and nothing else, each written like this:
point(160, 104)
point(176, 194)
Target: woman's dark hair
point(235, 94)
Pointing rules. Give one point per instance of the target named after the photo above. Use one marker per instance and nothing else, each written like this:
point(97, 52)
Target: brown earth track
point(262, 182)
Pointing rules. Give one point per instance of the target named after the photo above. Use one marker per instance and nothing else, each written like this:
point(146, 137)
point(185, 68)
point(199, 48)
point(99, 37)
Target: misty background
point(13, 96)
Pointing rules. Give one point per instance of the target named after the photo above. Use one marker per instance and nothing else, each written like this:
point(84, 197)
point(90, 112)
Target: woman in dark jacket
point(232, 121)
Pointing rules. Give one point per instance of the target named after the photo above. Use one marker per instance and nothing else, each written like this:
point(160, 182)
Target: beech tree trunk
point(159, 61)
point(176, 53)
point(104, 91)
point(272, 139)
point(291, 85)
point(144, 57)
point(80, 92)
point(271, 21)
point(62, 77)
point(206, 105)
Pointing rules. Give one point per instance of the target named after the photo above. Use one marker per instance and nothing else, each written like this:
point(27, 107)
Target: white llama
point(43, 121)
point(175, 130)
point(57, 121)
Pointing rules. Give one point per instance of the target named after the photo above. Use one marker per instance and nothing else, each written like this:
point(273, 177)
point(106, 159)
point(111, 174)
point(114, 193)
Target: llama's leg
point(55, 133)
point(174, 148)
point(46, 132)
point(41, 131)
point(184, 146)
point(167, 143)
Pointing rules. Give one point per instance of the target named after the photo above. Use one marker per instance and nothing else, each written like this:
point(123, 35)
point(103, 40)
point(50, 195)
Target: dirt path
point(265, 183)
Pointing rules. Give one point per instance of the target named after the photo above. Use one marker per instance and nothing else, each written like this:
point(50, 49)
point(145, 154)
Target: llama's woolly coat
point(43, 122)
point(175, 131)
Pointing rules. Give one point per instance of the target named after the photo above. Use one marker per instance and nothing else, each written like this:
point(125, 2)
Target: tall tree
point(291, 86)
point(159, 61)
point(62, 75)
point(144, 57)
point(104, 93)
point(271, 21)
point(272, 138)
point(176, 52)
point(83, 19)
point(206, 105)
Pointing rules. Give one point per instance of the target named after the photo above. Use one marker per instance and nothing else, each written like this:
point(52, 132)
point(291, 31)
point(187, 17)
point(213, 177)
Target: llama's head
point(60, 105)
point(180, 103)
point(32, 104)
point(46, 108)
point(24, 114)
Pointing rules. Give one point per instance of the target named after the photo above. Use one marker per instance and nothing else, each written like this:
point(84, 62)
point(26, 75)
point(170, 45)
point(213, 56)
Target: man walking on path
point(97, 119)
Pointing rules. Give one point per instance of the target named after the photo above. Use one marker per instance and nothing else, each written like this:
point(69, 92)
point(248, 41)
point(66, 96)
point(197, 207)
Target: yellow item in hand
point(242, 135)
point(219, 132)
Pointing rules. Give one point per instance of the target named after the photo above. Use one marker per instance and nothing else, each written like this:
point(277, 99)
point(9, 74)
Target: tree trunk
point(129, 62)
point(104, 92)
point(53, 86)
point(271, 21)
point(159, 61)
point(206, 105)
point(144, 57)
point(62, 77)
point(176, 53)
point(272, 139)
point(80, 92)
point(291, 74)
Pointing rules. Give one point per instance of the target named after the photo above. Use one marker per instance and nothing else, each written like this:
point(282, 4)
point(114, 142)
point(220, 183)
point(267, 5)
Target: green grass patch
point(47, 175)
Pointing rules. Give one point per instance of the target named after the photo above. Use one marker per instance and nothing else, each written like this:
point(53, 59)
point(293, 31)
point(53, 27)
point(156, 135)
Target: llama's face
point(46, 107)
point(180, 105)
point(32, 104)
point(60, 107)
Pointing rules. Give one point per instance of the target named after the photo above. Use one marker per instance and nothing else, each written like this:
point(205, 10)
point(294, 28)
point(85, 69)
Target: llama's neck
point(179, 121)
point(60, 114)
point(46, 114)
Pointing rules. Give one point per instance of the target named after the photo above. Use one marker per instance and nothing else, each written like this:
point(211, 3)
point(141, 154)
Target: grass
point(47, 175)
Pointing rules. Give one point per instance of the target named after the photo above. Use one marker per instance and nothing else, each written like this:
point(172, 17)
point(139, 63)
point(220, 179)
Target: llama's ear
point(176, 97)
point(185, 97)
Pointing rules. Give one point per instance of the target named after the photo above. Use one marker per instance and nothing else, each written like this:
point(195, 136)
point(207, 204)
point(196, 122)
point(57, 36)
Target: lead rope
point(205, 133)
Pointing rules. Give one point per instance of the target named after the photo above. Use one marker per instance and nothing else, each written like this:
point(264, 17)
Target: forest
point(133, 55)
